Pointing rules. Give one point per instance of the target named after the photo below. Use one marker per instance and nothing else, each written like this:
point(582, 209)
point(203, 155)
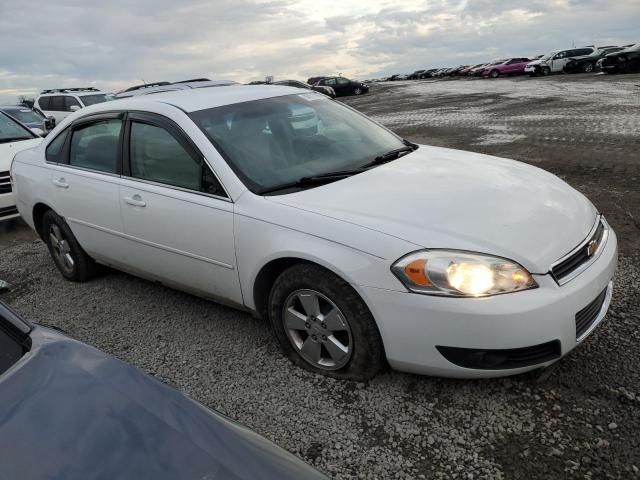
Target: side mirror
point(50, 123)
point(74, 108)
point(38, 131)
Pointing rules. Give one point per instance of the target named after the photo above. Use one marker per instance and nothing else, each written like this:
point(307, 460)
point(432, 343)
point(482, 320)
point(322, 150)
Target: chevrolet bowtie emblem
point(592, 248)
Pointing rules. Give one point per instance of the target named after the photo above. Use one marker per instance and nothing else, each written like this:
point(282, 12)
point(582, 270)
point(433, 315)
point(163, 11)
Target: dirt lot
point(579, 419)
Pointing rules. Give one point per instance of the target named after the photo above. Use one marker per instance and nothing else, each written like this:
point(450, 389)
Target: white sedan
point(14, 137)
point(359, 247)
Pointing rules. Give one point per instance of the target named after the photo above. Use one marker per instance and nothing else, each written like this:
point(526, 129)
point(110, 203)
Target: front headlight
point(461, 274)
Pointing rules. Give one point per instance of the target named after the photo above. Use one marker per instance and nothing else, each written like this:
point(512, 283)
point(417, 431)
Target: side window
point(95, 146)
point(329, 81)
point(56, 103)
point(69, 102)
point(54, 149)
point(156, 155)
point(44, 103)
point(343, 81)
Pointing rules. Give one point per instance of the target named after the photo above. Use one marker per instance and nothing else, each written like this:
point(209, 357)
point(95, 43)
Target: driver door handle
point(135, 200)
point(60, 182)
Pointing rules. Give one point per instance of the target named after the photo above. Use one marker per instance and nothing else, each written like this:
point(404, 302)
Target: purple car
point(510, 66)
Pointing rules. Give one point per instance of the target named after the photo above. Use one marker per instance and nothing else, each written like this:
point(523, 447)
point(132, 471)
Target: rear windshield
point(93, 99)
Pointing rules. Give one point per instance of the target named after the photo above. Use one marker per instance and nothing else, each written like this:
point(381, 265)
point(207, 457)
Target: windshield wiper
point(340, 174)
point(313, 180)
point(391, 155)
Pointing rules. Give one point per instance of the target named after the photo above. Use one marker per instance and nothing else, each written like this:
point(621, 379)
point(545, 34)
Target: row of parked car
point(609, 59)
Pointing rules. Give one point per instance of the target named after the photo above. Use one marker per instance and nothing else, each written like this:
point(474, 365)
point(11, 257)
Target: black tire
point(357, 91)
point(366, 349)
point(494, 74)
point(84, 268)
point(546, 71)
point(587, 67)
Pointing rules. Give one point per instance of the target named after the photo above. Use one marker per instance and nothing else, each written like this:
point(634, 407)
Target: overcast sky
point(113, 44)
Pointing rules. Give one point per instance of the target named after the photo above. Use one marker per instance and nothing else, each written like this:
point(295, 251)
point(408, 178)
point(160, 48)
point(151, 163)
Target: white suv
point(61, 102)
point(555, 61)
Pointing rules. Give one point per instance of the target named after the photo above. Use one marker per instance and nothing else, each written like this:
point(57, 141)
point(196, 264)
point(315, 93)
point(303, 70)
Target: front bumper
point(413, 325)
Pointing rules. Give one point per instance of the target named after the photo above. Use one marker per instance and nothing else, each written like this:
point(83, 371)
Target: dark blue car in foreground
point(69, 411)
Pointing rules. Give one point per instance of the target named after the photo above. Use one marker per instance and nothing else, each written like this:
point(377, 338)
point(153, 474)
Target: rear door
point(177, 217)
point(85, 168)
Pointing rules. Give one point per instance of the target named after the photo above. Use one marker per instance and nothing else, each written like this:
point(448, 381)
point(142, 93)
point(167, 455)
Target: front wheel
point(587, 67)
point(323, 325)
point(357, 91)
point(546, 71)
point(494, 74)
point(72, 262)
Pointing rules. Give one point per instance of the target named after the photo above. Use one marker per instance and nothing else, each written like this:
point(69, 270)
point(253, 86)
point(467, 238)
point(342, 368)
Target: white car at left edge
point(14, 137)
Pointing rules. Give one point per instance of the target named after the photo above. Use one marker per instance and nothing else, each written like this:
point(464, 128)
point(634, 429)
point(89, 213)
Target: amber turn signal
point(415, 271)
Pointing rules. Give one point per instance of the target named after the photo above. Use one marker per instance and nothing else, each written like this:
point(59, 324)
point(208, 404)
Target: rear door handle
point(60, 182)
point(135, 200)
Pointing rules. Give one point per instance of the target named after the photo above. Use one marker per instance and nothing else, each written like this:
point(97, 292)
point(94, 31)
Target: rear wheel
point(72, 262)
point(323, 325)
point(587, 67)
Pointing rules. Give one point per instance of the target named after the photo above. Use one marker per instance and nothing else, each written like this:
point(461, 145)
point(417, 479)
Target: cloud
point(118, 43)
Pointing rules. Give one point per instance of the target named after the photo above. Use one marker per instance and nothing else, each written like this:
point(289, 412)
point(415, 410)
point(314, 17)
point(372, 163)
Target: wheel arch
point(268, 273)
point(39, 209)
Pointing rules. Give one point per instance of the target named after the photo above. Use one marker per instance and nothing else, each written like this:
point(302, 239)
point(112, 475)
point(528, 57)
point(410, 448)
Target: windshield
point(548, 56)
point(26, 116)
point(12, 131)
point(276, 141)
point(93, 99)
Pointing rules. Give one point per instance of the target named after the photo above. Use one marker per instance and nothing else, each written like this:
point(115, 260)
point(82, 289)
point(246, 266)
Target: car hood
point(9, 150)
point(72, 412)
point(442, 198)
point(537, 62)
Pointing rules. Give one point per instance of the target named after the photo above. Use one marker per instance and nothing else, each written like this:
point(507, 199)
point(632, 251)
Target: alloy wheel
point(317, 329)
point(61, 249)
point(357, 91)
point(588, 67)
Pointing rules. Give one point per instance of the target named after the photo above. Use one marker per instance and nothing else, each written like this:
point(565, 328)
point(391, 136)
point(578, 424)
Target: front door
point(560, 59)
point(177, 218)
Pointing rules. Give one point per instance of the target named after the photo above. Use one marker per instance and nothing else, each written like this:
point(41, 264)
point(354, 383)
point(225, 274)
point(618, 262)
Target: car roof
point(78, 93)
point(193, 100)
point(157, 87)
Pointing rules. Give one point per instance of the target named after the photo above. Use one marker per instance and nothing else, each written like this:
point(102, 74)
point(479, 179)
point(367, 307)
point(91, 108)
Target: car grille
point(5, 182)
point(562, 270)
point(8, 211)
point(589, 314)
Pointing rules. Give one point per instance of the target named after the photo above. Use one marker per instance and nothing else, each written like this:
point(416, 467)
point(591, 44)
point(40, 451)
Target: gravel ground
point(578, 419)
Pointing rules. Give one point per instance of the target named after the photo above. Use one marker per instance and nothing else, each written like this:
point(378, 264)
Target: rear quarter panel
point(31, 182)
